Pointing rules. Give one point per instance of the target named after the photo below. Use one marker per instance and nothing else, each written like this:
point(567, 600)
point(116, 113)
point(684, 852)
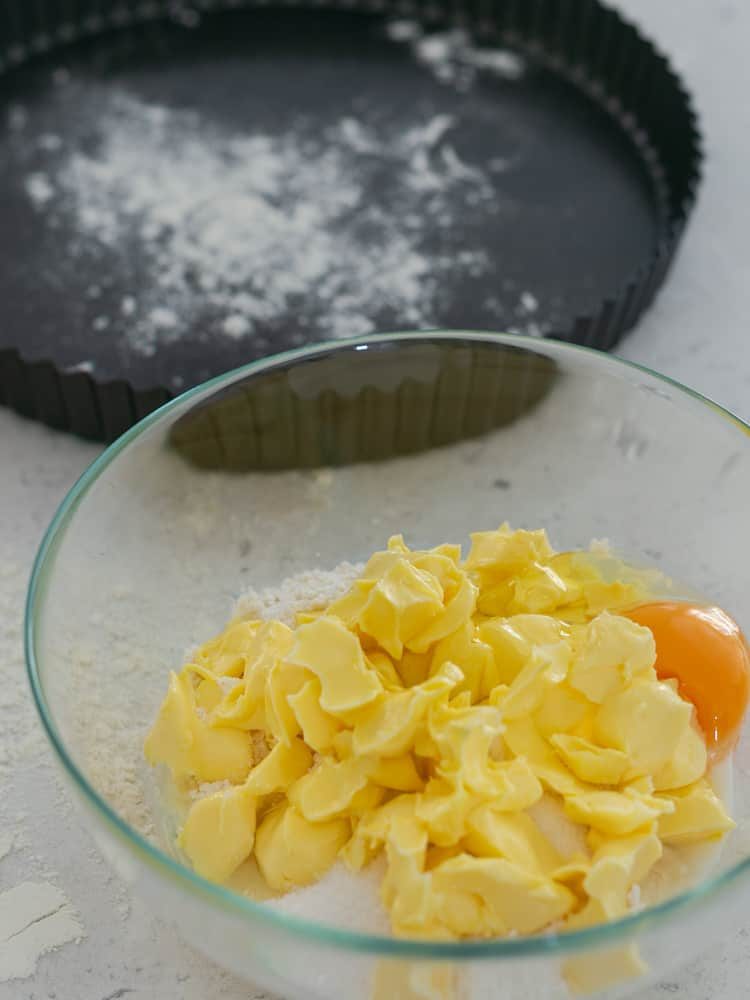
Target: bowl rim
point(216, 895)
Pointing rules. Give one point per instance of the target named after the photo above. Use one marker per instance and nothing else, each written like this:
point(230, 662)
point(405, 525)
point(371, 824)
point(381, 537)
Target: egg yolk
point(705, 651)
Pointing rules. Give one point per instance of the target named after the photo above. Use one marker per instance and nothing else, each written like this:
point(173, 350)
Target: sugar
point(345, 899)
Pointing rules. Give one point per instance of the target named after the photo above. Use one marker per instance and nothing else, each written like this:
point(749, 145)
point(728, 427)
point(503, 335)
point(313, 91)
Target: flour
point(7, 843)
point(251, 228)
point(308, 591)
point(20, 734)
point(35, 918)
point(237, 325)
point(39, 189)
point(452, 57)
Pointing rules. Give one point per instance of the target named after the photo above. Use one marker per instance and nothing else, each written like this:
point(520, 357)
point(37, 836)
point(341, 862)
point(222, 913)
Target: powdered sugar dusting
point(255, 227)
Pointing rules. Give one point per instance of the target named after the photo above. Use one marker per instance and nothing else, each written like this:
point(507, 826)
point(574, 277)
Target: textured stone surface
point(697, 332)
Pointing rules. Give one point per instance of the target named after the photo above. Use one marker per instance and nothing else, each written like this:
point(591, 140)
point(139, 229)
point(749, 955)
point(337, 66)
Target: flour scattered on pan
point(452, 57)
point(253, 228)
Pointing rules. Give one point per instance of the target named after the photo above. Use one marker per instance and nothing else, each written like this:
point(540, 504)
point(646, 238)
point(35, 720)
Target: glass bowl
point(316, 456)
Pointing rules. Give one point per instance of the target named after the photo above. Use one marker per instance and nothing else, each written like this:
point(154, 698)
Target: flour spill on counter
point(35, 918)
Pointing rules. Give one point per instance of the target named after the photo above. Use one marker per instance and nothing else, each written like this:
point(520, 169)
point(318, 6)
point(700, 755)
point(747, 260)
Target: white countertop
point(697, 332)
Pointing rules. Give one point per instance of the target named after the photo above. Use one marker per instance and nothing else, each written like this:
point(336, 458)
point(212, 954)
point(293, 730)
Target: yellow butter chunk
point(491, 729)
point(443, 809)
point(511, 651)
point(189, 746)
point(374, 827)
point(403, 602)
point(226, 655)
point(514, 836)
point(208, 692)
point(547, 665)
point(510, 899)
point(511, 784)
point(524, 739)
point(589, 762)
point(349, 607)
point(698, 814)
point(388, 726)
point(397, 773)
point(497, 555)
point(646, 720)
point(539, 590)
point(457, 611)
point(687, 764)
point(477, 663)
point(619, 864)
point(328, 650)
point(406, 888)
point(383, 666)
point(280, 768)
point(614, 813)
point(291, 851)
point(244, 706)
point(444, 564)
point(284, 680)
point(613, 650)
point(561, 709)
point(219, 832)
point(331, 789)
point(318, 728)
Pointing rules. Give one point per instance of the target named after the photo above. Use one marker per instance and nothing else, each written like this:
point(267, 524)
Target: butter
point(219, 832)
point(291, 851)
point(424, 716)
point(189, 746)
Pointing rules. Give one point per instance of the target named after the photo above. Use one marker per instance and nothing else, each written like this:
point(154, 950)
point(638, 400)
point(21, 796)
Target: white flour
point(256, 227)
point(452, 57)
point(7, 841)
point(35, 918)
point(20, 736)
point(309, 591)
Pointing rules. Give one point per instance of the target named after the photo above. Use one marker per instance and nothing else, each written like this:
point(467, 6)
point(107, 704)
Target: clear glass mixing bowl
point(317, 456)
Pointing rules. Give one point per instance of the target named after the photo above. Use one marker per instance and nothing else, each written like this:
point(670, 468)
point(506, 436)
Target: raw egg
point(705, 650)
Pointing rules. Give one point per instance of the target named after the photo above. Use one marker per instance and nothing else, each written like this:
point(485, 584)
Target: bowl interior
point(317, 457)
